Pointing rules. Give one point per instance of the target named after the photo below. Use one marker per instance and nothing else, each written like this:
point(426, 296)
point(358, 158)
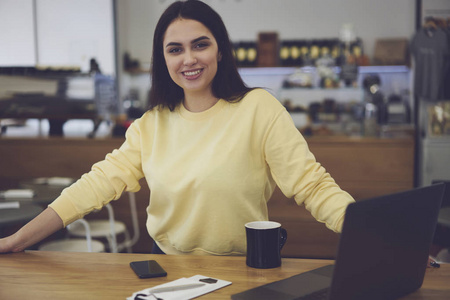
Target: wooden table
point(44, 194)
point(23, 214)
point(65, 275)
point(29, 207)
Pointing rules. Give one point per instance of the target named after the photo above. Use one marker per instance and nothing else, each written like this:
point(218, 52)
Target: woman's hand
point(45, 224)
point(4, 245)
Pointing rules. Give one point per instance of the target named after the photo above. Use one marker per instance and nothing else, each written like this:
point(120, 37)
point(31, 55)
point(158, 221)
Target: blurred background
point(365, 81)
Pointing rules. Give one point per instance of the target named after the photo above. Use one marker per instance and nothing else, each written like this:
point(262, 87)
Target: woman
point(211, 150)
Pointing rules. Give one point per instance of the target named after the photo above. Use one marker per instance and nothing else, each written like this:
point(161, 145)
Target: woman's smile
point(191, 75)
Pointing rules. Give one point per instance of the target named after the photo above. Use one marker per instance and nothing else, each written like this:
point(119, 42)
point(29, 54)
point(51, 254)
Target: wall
point(73, 32)
point(435, 8)
point(17, 44)
point(294, 19)
point(57, 33)
point(290, 18)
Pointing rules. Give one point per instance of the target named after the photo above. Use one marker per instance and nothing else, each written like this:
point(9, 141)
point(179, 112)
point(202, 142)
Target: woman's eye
point(201, 45)
point(174, 50)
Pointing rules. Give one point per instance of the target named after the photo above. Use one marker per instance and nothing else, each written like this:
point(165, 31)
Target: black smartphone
point(147, 269)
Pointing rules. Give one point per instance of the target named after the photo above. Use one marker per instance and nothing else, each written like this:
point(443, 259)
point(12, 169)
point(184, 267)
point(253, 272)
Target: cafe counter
point(365, 167)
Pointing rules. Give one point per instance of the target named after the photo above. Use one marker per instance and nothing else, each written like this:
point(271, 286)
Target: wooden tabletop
point(66, 275)
point(23, 214)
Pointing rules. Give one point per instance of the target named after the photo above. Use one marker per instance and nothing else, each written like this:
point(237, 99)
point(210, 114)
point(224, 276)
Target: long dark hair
point(227, 84)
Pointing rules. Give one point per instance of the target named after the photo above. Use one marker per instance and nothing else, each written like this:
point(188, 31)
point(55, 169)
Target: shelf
point(137, 71)
point(276, 71)
point(305, 96)
point(319, 89)
point(384, 69)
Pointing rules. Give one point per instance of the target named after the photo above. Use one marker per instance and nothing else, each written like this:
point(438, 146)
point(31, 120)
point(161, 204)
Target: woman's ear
point(219, 56)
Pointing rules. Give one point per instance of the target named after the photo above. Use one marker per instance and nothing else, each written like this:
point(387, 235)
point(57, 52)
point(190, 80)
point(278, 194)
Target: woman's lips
point(194, 74)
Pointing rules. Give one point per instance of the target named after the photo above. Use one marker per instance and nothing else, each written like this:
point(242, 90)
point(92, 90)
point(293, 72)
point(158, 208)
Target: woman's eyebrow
point(173, 44)
point(199, 39)
point(192, 42)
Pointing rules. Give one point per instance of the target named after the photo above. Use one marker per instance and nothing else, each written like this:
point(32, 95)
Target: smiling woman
point(211, 149)
point(192, 55)
point(208, 36)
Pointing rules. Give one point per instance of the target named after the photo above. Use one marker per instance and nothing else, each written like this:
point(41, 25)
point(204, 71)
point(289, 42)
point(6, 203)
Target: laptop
point(446, 198)
point(382, 254)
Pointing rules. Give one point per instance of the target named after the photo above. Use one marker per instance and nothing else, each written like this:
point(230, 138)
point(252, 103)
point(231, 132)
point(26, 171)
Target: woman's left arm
point(298, 174)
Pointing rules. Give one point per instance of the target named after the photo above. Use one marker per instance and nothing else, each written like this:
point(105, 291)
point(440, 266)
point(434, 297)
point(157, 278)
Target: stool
point(110, 229)
point(77, 244)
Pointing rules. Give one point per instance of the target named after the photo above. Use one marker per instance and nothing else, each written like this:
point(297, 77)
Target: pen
point(434, 264)
point(176, 288)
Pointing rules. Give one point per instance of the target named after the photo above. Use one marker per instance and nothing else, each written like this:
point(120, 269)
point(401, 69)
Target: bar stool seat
point(86, 244)
point(104, 229)
point(72, 245)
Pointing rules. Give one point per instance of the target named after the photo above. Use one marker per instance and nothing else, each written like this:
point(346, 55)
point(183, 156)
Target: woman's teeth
point(192, 73)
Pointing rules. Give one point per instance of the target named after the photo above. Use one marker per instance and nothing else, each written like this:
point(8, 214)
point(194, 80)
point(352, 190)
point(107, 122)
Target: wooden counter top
point(364, 167)
point(65, 275)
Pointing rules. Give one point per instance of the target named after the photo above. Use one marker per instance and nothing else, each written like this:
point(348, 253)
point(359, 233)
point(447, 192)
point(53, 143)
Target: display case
point(435, 141)
point(341, 107)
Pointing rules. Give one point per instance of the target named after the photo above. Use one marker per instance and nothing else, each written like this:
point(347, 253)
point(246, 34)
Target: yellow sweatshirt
point(209, 173)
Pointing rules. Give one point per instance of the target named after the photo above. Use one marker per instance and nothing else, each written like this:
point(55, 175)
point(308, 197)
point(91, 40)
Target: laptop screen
point(384, 247)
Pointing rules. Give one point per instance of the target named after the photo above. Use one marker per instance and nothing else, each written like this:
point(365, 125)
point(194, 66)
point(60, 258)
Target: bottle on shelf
point(285, 54)
point(246, 54)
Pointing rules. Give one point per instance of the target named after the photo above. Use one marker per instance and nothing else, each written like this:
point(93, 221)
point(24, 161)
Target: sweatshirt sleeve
point(298, 174)
point(120, 170)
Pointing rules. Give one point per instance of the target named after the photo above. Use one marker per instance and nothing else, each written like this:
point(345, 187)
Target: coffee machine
point(374, 105)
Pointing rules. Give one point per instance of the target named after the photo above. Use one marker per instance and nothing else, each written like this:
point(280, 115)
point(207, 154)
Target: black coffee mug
point(264, 242)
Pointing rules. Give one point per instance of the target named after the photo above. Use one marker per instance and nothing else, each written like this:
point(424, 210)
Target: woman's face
point(191, 54)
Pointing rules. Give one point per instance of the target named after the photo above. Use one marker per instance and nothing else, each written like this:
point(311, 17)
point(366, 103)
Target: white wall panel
point(17, 46)
point(72, 32)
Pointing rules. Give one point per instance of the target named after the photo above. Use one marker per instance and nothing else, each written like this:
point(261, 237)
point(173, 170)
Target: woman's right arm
point(45, 224)
point(121, 170)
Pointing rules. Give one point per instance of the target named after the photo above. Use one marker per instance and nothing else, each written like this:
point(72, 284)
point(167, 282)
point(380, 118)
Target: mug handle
point(283, 237)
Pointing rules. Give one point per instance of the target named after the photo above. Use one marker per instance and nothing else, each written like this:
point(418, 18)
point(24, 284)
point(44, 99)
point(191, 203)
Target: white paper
point(183, 294)
point(23, 193)
point(59, 181)
point(8, 205)
point(62, 181)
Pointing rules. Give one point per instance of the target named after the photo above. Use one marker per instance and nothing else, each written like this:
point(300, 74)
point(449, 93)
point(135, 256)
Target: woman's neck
point(199, 103)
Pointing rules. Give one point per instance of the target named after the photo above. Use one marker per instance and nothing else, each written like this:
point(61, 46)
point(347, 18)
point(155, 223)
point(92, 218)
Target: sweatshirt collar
point(200, 116)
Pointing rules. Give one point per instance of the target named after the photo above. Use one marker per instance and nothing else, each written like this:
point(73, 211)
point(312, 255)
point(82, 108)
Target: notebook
point(382, 254)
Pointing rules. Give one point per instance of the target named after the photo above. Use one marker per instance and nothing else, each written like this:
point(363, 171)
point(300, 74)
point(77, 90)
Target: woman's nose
point(189, 58)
